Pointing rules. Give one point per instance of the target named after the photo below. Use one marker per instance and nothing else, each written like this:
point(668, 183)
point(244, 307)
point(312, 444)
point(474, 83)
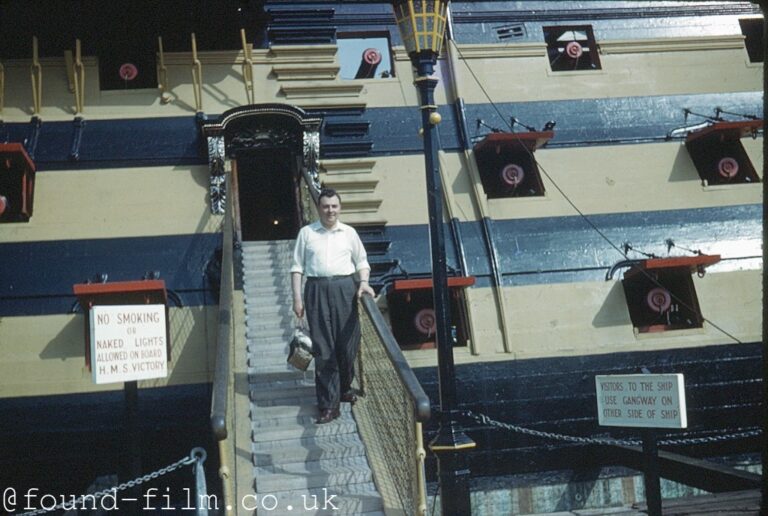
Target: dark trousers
point(331, 308)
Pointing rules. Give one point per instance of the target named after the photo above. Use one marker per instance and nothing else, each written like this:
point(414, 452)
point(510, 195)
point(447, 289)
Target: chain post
point(201, 490)
point(651, 476)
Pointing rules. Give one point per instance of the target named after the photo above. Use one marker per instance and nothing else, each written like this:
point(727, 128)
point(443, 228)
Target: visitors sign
point(641, 400)
point(128, 343)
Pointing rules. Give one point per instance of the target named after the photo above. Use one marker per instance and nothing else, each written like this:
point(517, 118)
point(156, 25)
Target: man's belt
point(328, 278)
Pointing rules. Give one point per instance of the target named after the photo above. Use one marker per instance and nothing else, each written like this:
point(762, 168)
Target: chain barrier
point(485, 420)
point(192, 458)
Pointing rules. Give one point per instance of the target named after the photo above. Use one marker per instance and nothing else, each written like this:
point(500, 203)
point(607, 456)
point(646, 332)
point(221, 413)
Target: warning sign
point(641, 400)
point(128, 342)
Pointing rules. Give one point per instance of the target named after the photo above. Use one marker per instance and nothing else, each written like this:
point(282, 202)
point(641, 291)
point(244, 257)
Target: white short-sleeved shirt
point(322, 252)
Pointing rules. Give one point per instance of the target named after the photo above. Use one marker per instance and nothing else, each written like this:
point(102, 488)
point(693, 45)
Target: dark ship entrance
point(273, 150)
point(267, 194)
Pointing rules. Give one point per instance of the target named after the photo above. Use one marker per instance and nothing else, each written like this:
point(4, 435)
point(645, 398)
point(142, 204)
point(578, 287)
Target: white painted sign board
point(128, 343)
point(641, 400)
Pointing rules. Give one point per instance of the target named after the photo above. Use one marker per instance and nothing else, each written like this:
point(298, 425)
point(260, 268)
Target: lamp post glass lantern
point(421, 24)
point(422, 27)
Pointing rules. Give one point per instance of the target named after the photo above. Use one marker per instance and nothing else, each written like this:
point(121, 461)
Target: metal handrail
point(221, 375)
point(421, 405)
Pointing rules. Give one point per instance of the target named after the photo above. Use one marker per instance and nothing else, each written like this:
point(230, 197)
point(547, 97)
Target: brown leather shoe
point(327, 415)
point(349, 397)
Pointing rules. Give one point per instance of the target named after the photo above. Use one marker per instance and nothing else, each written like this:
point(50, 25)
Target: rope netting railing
point(390, 413)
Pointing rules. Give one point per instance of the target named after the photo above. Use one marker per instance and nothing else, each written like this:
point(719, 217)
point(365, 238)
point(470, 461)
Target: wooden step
point(323, 474)
point(293, 396)
point(275, 372)
point(285, 333)
point(272, 306)
point(307, 449)
point(269, 418)
point(290, 411)
point(292, 430)
point(267, 351)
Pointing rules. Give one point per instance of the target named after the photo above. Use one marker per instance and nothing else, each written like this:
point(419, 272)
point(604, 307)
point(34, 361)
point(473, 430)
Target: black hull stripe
point(178, 140)
point(37, 277)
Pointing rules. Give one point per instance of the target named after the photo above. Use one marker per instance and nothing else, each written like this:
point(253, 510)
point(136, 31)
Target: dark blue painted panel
point(568, 249)
point(569, 243)
point(613, 120)
point(112, 143)
point(298, 24)
point(100, 411)
point(478, 21)
point(390, 131)
point(173, 140)
point(579, 122)
point(37, 277)
point(54, 142)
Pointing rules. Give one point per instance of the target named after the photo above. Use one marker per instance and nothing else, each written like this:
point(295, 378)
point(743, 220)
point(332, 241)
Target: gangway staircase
point(297, 464)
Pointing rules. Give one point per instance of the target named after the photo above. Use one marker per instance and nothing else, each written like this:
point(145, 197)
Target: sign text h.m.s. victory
point(128, 342)
point(641, 400)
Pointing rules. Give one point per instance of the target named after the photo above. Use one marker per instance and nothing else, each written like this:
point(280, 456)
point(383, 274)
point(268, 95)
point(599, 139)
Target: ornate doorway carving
point(267, 149)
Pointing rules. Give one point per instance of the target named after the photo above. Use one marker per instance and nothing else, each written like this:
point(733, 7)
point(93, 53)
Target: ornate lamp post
point(422, 27)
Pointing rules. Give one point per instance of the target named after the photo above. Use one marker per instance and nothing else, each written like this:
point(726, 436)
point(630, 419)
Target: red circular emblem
point(659, 300)
point(728, 167)
point(371, 56)
point(128, 71)
point(424, 321)
point(574, 49)
point(512, 175)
